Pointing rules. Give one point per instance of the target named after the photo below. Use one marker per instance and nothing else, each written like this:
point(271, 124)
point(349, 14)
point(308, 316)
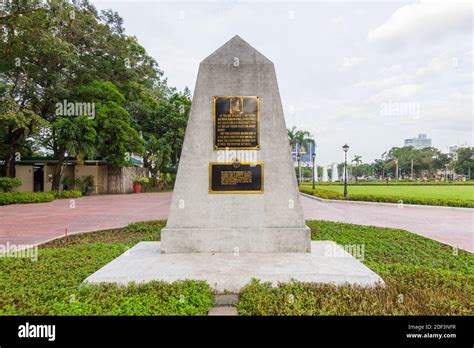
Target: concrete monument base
point(327, 263)
point(231, 240)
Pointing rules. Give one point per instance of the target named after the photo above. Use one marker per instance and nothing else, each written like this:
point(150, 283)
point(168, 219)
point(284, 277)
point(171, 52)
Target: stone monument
point(235, 212)
point(236, 187)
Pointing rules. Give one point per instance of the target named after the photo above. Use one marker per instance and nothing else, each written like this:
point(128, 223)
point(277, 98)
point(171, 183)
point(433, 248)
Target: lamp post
point(345, 148)
point(298, 158)
point(446, 172)
point(313, 156)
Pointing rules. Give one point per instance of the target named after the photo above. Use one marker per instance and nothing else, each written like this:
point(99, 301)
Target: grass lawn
point(52, 285)
point(422, 277)
point(446, 192)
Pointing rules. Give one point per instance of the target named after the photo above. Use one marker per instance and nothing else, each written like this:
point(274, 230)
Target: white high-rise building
point(419, 142)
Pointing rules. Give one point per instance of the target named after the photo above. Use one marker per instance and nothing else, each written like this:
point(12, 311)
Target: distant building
point(305, 154)
point(454, 148)
point(419, 142)
point(36, 174)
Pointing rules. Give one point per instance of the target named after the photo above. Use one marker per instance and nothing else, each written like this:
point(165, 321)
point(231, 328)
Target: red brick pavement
point(36, 223)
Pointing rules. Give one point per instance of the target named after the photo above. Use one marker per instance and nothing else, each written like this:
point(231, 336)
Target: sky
point(369, 74)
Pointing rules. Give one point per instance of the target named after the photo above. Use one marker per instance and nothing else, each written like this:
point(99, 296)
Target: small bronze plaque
point(237, 122)
point(236, 177)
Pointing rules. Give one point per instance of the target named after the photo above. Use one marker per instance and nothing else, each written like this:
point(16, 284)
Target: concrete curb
point(381, 203)
point(70, 234)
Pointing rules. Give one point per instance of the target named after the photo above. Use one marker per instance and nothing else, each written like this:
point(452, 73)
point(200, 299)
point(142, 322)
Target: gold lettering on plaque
point(236, 177)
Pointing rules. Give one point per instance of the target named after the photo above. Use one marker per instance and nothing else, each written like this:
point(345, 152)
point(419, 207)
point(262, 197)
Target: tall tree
point(357, 160)
point(52, 48)
point(464, 162)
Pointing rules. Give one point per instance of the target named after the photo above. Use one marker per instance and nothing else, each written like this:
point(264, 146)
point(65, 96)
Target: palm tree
point(303, 139)
point(300, 139)
point(292, 137)
point(357, 160)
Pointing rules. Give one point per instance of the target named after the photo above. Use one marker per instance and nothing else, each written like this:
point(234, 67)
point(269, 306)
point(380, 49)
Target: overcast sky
point(367, 73)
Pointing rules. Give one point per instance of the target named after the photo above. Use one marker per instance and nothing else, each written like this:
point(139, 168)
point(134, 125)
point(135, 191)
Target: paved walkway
point(36, 223)
point(452, 226)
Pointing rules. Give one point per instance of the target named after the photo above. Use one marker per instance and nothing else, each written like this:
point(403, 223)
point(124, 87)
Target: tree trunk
point(9, 165)
point(58, 171)
point(9, 159)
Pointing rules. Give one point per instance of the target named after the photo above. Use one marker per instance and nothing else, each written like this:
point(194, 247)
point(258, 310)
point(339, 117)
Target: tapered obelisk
point(236, 188)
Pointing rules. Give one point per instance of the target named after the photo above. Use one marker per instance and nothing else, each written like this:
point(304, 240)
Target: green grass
point(444, 192)
point(52, 284)
point(422, 276)
point(451, 196)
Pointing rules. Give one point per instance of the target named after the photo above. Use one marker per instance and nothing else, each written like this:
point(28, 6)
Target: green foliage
point(8, 184)
point(422, 277)
point(300, 138)
point(324, 194)
point(394, 183)
point(142, 180)
point(50, 58)
point(69, 194)
point(7, 198)
point(83, 182)
point(464, 163)
point(52, 285)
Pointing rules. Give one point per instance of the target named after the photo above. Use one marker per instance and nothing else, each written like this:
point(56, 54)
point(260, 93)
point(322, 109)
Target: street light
point(345, 148)
point(313, 156)
point(298, 158)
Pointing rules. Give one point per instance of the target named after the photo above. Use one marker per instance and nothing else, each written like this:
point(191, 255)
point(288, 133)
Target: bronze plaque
point(237, 122)
point(236, 177)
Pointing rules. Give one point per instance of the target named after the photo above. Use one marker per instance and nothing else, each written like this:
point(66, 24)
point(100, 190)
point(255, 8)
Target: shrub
point(83, 182)
point(328, 194)
point(25, 197)
point(8, 184)
point(412, 200)
point(394, 183)
point(69, 194)
point(321, 193)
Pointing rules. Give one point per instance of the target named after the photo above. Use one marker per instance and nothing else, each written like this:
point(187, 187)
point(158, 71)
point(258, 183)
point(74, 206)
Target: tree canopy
point(59, 53)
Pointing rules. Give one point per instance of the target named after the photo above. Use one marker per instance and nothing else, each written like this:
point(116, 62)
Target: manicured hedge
point(394, 183)
point(69, 194)
point(7, 184)
point(25, 197)
point(328, 194)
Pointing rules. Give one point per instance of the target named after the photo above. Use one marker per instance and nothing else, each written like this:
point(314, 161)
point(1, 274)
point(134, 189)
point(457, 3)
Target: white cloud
point(423, 20)
point(317, 93)
point(437, 66)
point(350, 62)
point(402, 92)
point(338, 19)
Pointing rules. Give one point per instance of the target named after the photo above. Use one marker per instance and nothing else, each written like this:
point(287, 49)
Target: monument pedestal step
point(236, 240)
point(327, 263)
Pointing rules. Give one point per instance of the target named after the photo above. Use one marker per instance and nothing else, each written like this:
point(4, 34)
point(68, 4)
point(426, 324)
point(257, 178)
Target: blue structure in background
point(306, 156)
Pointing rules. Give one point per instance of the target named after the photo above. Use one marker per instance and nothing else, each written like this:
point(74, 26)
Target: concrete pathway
point(452, 226)
point(37, 223)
